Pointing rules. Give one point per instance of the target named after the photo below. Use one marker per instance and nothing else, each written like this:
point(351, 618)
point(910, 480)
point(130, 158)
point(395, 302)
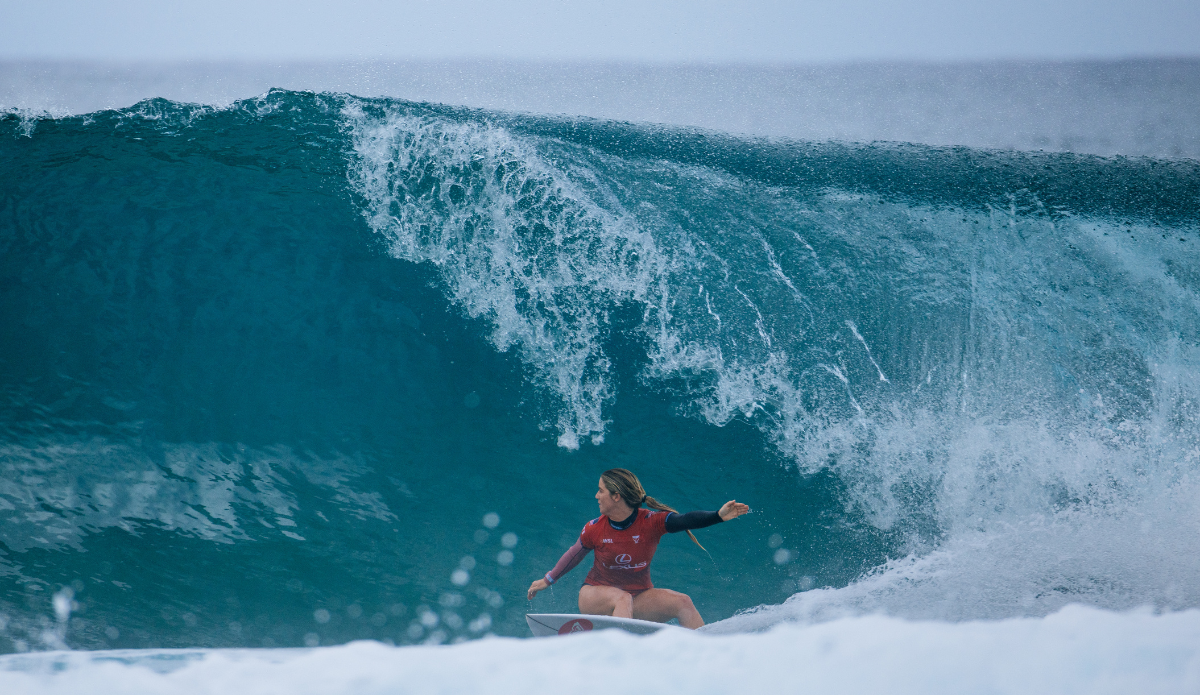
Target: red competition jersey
point(623, 556)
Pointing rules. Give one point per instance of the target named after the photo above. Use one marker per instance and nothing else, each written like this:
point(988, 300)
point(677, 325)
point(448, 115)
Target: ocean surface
point(309, 368)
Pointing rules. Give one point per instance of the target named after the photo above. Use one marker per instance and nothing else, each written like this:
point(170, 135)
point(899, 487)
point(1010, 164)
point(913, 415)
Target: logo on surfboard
point(576, 625)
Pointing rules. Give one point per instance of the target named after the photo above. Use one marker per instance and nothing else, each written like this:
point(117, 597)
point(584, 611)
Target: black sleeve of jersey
point(692, 520)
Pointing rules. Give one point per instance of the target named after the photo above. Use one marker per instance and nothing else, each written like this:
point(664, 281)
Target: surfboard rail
point(553, 624)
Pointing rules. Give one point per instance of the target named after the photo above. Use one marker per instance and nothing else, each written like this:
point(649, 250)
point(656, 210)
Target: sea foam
point(1076, 650)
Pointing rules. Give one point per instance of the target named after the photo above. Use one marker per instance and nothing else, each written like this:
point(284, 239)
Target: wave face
point(315, 368)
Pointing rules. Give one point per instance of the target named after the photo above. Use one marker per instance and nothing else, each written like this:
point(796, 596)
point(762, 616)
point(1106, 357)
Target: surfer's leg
point(660, 605)
point(605, 600)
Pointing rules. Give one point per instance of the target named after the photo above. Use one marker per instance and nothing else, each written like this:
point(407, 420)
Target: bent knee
point(681, 602)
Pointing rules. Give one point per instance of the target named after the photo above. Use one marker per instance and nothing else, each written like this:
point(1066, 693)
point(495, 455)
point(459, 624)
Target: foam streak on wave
point(516, 240)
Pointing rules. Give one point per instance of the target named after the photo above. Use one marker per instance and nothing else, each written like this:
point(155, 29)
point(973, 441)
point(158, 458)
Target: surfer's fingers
point(737, 508)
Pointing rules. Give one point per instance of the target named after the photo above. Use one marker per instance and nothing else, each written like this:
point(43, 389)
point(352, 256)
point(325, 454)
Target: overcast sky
point(691, 30)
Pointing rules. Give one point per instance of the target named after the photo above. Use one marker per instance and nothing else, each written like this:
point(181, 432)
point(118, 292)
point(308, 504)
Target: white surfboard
point(550, 624)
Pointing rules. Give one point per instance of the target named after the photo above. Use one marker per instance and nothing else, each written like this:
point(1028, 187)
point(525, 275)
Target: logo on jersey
point(624, 561)
point(635, 539)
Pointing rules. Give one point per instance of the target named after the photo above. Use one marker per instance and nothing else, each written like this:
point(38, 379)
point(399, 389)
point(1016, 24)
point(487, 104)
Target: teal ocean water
point(314, 368)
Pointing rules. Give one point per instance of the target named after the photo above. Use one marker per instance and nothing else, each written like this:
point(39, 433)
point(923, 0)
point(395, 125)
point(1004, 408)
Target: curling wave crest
point(1009, 385)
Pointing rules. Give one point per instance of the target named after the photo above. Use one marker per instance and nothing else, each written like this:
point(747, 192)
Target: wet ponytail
point(627, 485)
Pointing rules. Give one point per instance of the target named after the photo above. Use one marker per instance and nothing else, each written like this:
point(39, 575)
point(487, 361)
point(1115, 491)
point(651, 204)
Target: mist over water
point(1135, 107)
point(313, 368)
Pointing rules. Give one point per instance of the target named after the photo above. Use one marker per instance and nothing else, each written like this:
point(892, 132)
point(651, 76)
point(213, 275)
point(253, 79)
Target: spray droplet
point(62, 603)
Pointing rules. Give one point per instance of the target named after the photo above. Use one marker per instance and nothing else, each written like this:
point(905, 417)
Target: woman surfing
point(624, 539)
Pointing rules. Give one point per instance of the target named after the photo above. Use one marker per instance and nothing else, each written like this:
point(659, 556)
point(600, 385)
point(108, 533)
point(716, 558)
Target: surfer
point(624, 539)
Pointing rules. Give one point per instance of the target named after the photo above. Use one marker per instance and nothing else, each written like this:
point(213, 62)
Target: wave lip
point(516, 240)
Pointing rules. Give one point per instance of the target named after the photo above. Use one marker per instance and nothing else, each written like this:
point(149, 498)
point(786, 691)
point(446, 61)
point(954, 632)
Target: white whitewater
point(1077, 650)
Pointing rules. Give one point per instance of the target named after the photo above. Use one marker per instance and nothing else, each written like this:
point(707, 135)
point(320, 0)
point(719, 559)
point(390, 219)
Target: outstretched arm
point(565, 564)
point(677, 522)
point(693, 520)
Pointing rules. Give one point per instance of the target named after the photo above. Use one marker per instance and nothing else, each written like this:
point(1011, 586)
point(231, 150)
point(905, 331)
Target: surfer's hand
point(537, 586)
point(732, 510)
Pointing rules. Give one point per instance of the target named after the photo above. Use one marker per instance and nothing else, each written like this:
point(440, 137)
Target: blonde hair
point(626, 484)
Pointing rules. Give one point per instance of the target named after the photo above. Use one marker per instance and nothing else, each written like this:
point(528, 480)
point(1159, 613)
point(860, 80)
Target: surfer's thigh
point(660, 605)
point(605, 600)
